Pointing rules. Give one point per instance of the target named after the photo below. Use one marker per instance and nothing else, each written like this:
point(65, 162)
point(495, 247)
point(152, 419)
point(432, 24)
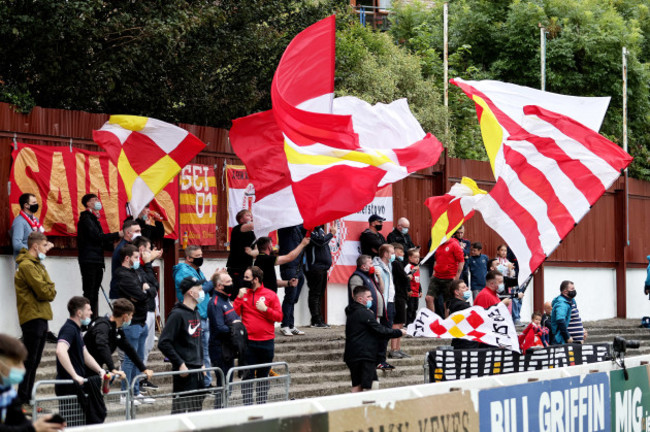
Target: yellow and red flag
point(148, 154)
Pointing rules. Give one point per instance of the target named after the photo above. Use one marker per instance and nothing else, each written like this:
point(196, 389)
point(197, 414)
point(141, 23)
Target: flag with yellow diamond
point(148, 154)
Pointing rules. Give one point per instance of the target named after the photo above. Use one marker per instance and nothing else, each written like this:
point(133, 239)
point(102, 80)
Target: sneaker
point(51, 338)
point(143, 399)
point(385, 366)
point(296, 332)
point(320, 325)
point(286, 331)
point(273, 373)
point(148, 385)
point(395, 355)
point(123, 401)
point(404, 355)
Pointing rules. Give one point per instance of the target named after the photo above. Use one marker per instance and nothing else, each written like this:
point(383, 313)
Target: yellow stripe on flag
point(375, 159)
point(193, 219)
point(129, 122)
point(127, 173)
point(438, 230)
point(470, 183)
point(491, 130)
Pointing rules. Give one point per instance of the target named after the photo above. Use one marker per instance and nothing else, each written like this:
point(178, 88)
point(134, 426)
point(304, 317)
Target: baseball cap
point(375, 218)
point(187, 284)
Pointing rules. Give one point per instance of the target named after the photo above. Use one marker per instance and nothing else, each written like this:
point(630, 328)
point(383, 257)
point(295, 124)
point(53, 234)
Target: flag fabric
point(148, 154)
point(550, 169)
point(447, 214)
point(492, 326)
point(313, 158)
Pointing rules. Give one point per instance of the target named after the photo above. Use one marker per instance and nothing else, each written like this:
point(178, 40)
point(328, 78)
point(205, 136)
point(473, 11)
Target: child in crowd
point(478, 268)
point(535, 335)
point(412, 268)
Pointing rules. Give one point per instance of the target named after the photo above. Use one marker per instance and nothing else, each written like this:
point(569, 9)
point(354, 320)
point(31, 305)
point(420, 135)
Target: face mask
point(125, 324)
point(392, 257)
point(467, 295)
point(33, 208)
point(501, 268)
point(404, 231)
point(135, 236)
point(85, 321)
point(15, 376)
point(247, 284)
point(501, 288)
point(378, 227)
point(572, 294)
point(41, 256)
point(197, 261)
point(401, 258)
point(201, 296)
point(228, 289)
point(145, 217)
point(369, 304)
point(98, 206)
point(136, 265)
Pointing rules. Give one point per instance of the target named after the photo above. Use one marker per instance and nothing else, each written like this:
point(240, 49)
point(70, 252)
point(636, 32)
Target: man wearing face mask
point(12, 371)
point(364, 275)
point(371, 239)
point(133, 287)
point(34, 293)
point(561, 314)
point(180, 342)
point(489, 295)
point(459, 296)
point(191, 267)
point(383, 269)
point(363, 334)
point(131, 231)
point(25, 222)
point(400, 234)
point(91, 244)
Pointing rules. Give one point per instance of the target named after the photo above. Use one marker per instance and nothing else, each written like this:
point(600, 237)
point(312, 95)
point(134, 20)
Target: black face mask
point(228, 289)
point(378, 227)
point(197, 261)
point(572, 294)
point(33, 208)
point(247, 284)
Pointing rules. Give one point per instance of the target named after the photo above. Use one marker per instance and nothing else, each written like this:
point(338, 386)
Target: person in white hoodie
point(383, 270)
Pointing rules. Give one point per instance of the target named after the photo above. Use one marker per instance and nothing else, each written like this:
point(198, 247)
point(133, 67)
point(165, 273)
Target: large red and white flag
point(314, 158)
point(550, 168)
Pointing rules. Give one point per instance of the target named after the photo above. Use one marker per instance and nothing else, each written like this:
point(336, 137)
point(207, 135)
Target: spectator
point(288, 239)
point(415, 290)
point(222, 316)
point(384, 273)
point(534, 335)
point(364, 275)
point(145, 273)
point(546, 318)
point(362, 335)
point(132, 287)
point(402, 283)
point(34, 293)
point(371, 238)
point(400, 234)
point(561, 313)
point(266, 261)
point(459, 296)
point(576, 329)
point(241, 237)
point(493, 264)
point(488, 296)
point(191, 267)
point(72, 362)
point(131, 231)
point(25, 223)
point(318, 260)
point(507, 269)
point(91, 243)
point(12, 371)
point(646, 287)
point(466, 247)
point(180, 342)
point(260, 309)
point(151, 224)
point(478, 268)
point(105, 334)
point(449, 265)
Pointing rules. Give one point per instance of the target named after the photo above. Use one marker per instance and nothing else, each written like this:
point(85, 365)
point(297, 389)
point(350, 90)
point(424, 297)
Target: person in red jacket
point(259, 309)
point(489, 295)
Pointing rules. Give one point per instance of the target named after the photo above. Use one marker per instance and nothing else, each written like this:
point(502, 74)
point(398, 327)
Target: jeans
point(317, 282)
point(205, 343)
point(516, 308)
point(34, 334)
point(291, 295)
point(136, 335)
point(259, 352)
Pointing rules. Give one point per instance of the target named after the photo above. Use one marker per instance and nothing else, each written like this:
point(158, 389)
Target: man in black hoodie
point(180, 342)
point(363, 337)
point(91, 243)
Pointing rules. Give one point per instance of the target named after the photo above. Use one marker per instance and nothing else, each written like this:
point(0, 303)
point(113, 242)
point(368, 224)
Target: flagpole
point(542, 41)
point(445, 19)
point(627, 197)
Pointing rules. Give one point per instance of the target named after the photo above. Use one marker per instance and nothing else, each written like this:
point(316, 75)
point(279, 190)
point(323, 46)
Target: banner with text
point(198, 204)
point(345, 244)
point(630, 399)
point(60, 177)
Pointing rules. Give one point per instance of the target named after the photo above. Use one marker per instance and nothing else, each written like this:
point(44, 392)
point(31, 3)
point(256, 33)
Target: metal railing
point(70, 409)
point(254, 386)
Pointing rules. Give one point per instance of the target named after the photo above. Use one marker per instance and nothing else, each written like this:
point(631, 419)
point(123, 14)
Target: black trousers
point(259, 352)
point(317, 281)
point(190, 398)
point(34, 335)
point(91, 279)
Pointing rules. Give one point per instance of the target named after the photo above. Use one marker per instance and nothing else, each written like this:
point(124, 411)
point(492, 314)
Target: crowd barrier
point(260, 390)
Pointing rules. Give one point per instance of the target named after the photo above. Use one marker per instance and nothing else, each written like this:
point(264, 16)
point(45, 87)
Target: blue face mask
point(98, 206)
point(401, 258)
point(85, 321)
point(125, 324)
point(41, 256)
point(136, 265)
point(467, 295)
point(15, 377)
point(392, 257)
point(369, 304)
point(201, 296)
point(405, 231)
point(501, 288)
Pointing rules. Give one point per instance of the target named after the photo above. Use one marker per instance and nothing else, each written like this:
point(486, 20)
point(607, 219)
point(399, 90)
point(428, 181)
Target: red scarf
point(34, 223)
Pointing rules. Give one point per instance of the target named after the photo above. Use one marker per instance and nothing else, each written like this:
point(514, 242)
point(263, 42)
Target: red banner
point(60, 177)
point(198, 205)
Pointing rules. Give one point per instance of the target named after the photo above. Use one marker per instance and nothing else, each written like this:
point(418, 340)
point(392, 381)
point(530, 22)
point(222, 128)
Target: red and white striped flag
point(550, 168)
point(313, 158)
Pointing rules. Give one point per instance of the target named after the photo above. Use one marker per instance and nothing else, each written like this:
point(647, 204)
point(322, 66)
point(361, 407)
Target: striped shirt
point(576, 330)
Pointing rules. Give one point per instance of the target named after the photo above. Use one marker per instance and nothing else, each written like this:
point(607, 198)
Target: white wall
point(637, 304)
